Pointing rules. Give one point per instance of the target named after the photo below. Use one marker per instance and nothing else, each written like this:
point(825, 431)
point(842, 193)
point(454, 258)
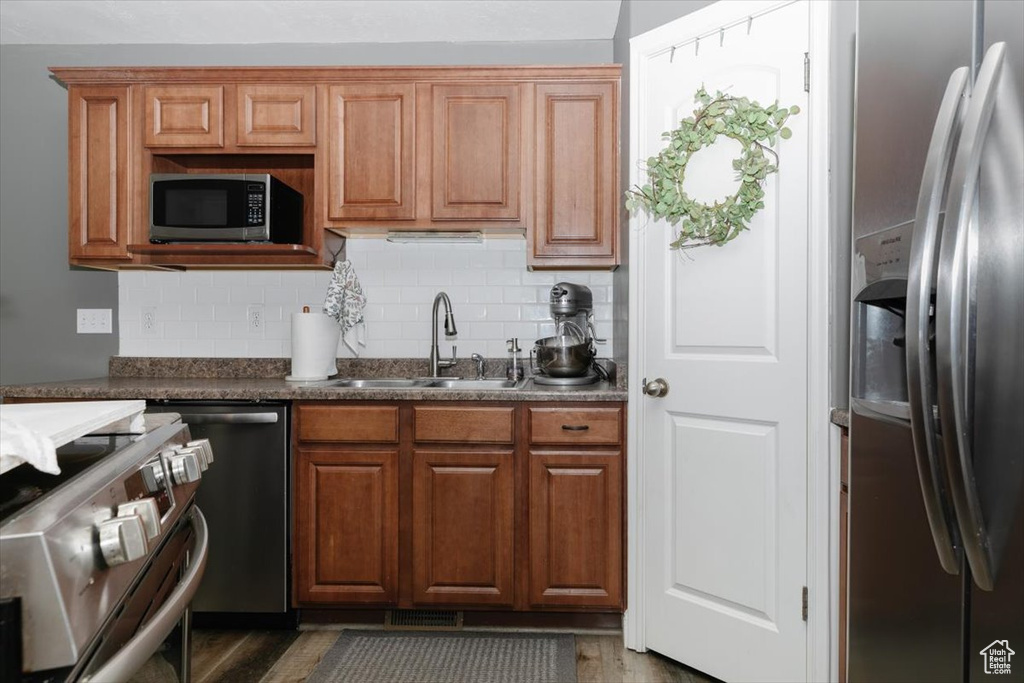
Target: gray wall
point(635, 17)
point(640, 16)
point(39, 292)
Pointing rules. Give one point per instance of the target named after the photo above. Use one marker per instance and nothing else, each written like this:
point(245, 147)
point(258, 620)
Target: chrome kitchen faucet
point(436, 364)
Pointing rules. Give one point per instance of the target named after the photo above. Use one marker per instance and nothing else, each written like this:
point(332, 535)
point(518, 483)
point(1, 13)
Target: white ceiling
point(63, 22)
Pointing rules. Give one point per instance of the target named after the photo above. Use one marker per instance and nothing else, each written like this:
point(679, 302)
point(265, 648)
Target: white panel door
point(724, 493)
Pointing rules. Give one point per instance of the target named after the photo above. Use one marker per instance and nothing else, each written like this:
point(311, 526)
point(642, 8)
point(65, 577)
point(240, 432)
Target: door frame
point(822, 436)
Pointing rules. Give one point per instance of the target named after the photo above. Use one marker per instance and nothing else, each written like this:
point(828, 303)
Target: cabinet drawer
point(363, 424)
point(462, 424)
point(575, 426)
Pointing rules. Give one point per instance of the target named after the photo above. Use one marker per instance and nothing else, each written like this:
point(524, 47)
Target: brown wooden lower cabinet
point(346, 521)
point(462, 505)
point(462, 539)
point(576, 528)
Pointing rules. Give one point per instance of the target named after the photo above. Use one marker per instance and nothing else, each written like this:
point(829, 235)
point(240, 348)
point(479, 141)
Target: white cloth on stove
point(345, 303)
point(19, 444)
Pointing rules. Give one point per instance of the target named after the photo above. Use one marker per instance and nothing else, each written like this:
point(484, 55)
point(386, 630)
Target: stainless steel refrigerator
point(936, 537)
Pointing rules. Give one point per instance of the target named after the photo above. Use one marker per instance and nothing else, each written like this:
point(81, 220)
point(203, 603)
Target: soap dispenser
point(514, 370)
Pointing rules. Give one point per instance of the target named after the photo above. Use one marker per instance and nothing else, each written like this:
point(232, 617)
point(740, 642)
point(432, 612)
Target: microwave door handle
point(123, 665)
point(920, 282)
point(955, 317)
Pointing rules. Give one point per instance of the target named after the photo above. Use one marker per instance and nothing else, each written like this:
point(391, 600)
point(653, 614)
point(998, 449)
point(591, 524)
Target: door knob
point(656, 388)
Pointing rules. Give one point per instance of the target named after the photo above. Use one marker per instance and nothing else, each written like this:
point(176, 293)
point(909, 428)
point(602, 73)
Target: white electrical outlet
point(149, 321)
point(254, 315)
point(94, 321)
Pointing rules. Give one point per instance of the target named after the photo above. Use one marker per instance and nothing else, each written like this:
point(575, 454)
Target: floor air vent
point(423, 620)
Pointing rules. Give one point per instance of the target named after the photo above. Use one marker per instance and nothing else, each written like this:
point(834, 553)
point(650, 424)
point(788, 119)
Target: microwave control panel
point(257, 193)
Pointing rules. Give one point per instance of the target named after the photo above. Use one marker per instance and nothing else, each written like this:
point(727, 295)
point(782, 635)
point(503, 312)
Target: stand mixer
point(572, 308)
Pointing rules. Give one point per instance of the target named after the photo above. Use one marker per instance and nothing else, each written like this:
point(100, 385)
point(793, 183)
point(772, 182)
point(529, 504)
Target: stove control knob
point(122, 539)
point(204, 444)
point(147, 510)
point(198, 452)
point(185, 468)
point(153, 474)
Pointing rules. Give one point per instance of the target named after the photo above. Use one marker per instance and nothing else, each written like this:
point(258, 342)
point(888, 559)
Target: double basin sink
point(426, 383)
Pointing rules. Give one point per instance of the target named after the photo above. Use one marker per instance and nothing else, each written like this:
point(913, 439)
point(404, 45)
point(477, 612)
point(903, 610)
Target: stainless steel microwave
point(249, 207)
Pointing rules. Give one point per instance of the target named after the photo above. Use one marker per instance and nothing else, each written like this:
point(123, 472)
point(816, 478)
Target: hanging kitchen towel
point(19, 443)
point(345, 303)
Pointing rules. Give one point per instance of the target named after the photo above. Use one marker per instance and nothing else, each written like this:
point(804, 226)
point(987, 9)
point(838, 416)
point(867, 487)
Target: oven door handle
point(150, 637)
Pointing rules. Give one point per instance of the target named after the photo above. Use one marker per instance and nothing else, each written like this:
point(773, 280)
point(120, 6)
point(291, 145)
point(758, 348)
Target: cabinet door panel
point(346, 522)
point(98, 161)
point(276, 115)
point(576, 175)
point(463, 527)
point(476, 152)
point(184, 116)
point(371, 151)
point(576, 529)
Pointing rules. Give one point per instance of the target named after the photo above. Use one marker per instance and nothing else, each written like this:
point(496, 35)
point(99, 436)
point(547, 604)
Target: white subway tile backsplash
point(213, 330)
point(266, 348)
point(399, 278)
point(229, 312)
point(246, 295)
point(196, 348)
point(280, 296)
point(264, 278)
point(175, 293)
point(212, 295)
point(231, 348)
point(144, 296)
point(181, 330)
point(493, 298)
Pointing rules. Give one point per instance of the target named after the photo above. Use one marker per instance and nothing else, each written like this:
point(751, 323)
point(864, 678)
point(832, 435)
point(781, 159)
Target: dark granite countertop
point(840, 417)
point(263, 379)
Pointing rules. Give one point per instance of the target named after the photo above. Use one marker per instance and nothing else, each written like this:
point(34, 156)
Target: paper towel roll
point(314, 346)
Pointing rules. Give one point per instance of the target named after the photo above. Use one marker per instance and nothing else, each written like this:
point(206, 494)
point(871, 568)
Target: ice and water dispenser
point(879, 373)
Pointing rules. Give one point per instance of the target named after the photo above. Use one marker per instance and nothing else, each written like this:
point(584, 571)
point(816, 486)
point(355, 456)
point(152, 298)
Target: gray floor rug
point(456, 657)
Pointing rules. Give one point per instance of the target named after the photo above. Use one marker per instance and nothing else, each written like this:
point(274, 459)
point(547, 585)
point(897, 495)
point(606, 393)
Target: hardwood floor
point(220, 656)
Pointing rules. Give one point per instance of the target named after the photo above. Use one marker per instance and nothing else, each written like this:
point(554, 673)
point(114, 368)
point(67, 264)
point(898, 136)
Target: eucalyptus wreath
point(698, 223)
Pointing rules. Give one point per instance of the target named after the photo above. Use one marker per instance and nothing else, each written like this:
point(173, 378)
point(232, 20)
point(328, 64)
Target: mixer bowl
point(563, 356)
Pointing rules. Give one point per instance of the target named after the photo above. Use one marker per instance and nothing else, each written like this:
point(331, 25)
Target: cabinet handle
point(575, 428)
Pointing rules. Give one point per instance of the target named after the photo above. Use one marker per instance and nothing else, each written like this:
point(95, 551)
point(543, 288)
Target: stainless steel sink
point(382, 383)
point(424, 383)
point(470, 384)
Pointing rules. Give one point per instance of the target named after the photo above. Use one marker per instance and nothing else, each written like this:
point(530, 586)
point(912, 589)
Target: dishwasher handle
point(230, 418)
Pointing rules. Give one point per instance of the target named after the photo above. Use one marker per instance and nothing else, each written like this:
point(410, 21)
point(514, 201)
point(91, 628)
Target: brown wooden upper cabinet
point(576, 176)
point(476, 151)
point(515, 150)
point(225, 116)
point(276, 115)
point(99, 123)
point(184, 115)
point(371, 151)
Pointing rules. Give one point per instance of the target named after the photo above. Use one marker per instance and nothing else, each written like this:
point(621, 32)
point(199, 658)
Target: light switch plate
point(94, 321)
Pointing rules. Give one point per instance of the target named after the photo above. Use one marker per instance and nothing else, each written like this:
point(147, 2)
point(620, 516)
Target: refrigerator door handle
point(920, 284)
point(954, 312)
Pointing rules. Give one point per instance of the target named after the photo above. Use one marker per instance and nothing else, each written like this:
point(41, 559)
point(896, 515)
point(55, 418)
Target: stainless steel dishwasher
point(245, 500)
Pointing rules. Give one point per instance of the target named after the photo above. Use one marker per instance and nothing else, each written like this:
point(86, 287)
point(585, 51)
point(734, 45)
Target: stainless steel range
point(98, 565)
